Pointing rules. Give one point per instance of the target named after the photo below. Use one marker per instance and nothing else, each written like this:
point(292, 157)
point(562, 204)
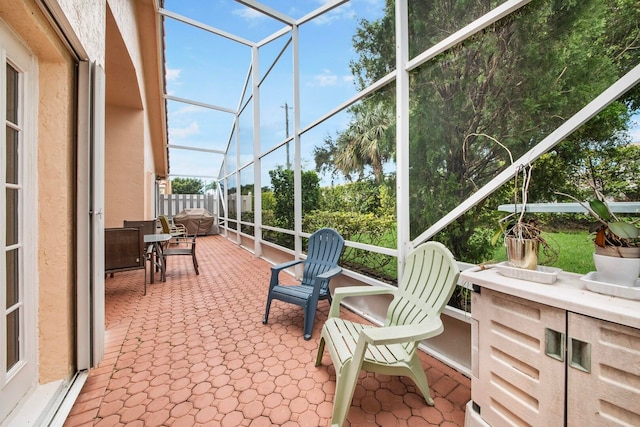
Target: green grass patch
point(575, 251)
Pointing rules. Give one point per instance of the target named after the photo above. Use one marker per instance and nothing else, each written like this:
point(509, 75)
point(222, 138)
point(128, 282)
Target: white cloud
point(181, 133)
point(327, 78)
point(248, 14)
point(187, 109)
point(173, 74)
point(344, 11)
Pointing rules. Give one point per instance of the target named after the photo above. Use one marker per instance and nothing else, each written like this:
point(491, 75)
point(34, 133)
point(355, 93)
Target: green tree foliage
point(211, 186)
point(615, 171)
point(515, 82)
point(367, 142)
point(282, 183)
point(360, 196)
point(370, 228)
point(187, 186)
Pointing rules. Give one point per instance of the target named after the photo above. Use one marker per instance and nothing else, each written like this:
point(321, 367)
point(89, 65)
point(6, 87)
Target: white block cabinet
point(552, 355)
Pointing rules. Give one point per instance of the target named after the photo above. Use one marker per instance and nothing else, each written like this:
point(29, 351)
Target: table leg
point(152, 264)
point(163, 276)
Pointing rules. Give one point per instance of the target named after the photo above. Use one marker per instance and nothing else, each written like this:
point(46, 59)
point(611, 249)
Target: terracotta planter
point(522, 253)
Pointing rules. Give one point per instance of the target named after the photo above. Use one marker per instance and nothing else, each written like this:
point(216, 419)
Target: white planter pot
point(616, 270)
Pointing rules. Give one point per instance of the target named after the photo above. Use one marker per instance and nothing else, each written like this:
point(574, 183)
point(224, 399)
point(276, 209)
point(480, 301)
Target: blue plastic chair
point(321, 264)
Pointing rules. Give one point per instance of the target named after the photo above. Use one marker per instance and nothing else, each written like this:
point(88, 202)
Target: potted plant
point(616, 242)
point(522, 236)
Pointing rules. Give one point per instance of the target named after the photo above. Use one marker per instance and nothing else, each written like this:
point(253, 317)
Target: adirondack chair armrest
point(351, 291)
point(403, 333)
point(287, 264)
point(324, 279)
point(276, 269)
point(330, 273)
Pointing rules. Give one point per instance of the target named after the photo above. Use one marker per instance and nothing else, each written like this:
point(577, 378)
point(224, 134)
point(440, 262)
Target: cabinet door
point(520, 375)
point(603, 377)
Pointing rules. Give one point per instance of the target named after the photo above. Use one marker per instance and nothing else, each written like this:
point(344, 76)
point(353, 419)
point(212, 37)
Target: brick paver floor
point(194, 352)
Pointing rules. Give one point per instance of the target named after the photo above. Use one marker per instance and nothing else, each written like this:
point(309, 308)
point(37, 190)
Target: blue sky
point(211, 69)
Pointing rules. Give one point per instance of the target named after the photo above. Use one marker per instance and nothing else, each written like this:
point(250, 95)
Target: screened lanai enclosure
point(401, 122)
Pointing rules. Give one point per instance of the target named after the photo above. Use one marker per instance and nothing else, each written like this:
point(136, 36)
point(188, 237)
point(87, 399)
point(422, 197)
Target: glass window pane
point(12, 216)
point(13, 292)
point(12, 155)
point(13, 335)
point(12, 94)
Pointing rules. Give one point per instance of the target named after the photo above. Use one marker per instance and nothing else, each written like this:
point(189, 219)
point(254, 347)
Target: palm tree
point(364, 142)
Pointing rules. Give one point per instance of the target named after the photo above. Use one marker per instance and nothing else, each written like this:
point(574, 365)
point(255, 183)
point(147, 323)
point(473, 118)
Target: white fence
point(246, 203)
point(171, 204)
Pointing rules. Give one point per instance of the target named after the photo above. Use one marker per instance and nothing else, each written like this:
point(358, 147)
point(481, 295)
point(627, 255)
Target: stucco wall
point(56, 227)
point(124, 166)
point(130, 25)
point(87, 18)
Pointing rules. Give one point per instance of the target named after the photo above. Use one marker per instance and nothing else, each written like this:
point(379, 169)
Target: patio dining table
point(154, 242)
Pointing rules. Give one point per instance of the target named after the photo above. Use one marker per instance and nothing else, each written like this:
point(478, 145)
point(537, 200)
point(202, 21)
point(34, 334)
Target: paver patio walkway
point(194, 352)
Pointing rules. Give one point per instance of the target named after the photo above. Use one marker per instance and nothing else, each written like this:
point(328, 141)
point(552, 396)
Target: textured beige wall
point(124, 166)
point(87, 18)
point(56, 227)
point(55, 151)
point(133, 83)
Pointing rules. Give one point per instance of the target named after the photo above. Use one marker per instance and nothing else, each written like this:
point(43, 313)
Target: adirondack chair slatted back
point(323, 253)
point(421, 293)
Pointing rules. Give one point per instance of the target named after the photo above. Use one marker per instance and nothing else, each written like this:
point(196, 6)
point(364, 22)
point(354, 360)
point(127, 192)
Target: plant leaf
point(496, 236)
point(601, 209)
point(624, 230)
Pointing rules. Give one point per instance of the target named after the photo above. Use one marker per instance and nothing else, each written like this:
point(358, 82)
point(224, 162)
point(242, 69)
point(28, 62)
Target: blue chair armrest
point(330, 273)
point(279, 267)
point(324, 279)
point(276, 269)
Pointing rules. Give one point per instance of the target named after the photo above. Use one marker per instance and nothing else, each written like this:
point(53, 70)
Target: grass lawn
point(575, 251)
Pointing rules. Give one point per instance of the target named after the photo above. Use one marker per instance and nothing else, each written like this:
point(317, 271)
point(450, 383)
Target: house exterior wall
point(56, 228)
point(124, 166)
point(87, 18)
point(131, 49)
point(134, 135)
point(55, 183)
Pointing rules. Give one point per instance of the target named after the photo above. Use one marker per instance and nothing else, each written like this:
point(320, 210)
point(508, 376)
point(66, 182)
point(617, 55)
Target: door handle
point(579, 355)
point(554, 344)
